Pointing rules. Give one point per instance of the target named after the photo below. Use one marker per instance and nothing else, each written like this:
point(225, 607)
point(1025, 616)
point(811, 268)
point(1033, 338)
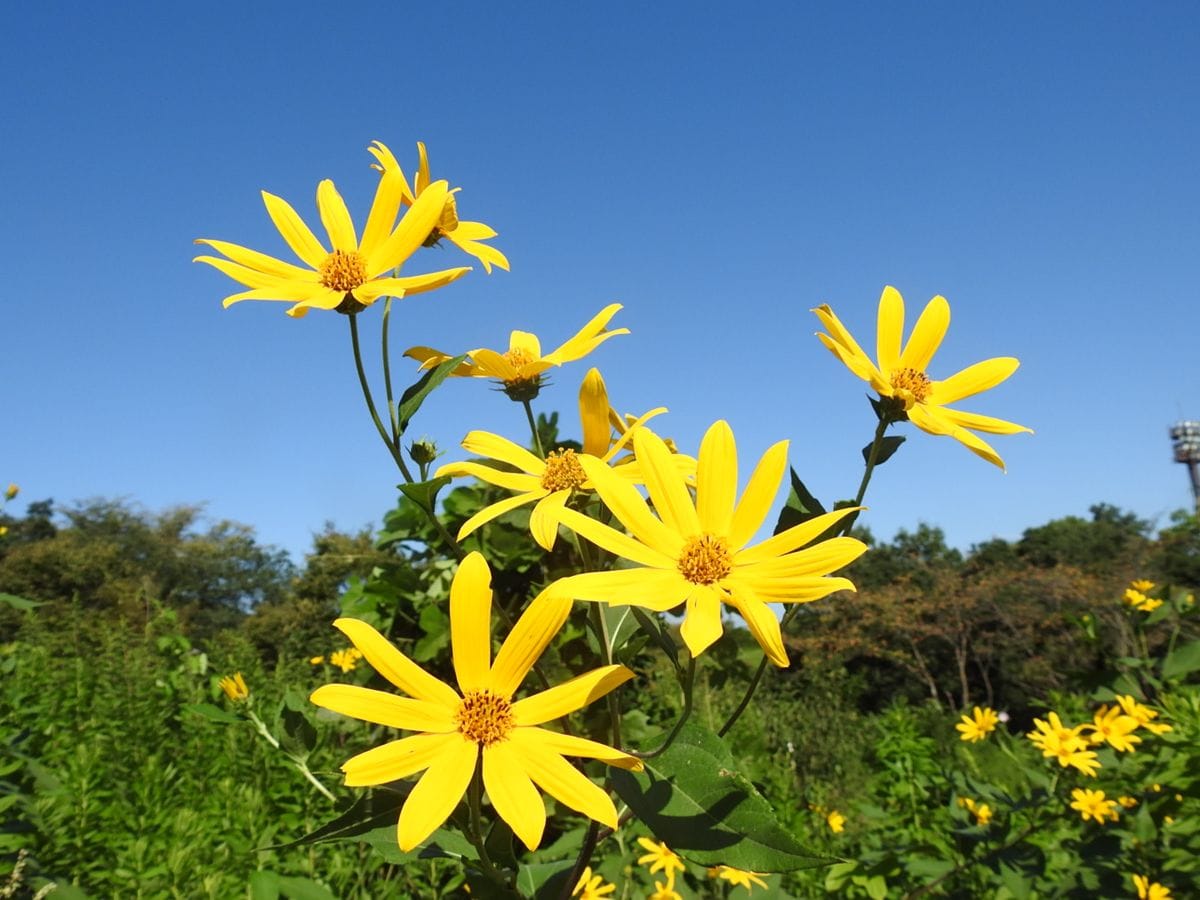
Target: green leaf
point(424, 493)
point(20, 602)
point(436, 627)
point(692, 798)
point(887, 447)
point(653, 627)
point(1183, 659)
point(297, 888)
point(212, 713)
point(544, 880)
point(415, 395)
point(800, 507)
point(264, 885)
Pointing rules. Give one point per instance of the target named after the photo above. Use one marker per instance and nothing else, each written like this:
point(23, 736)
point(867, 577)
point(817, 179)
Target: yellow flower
point(1126, 801)
point(660, 858)
point(351, 276)
point(737, 877)
point(11, 492)
point(1150, 604)
point(836, 821)
point(1092, 805)
point(1144, 715)
point(591, 887)
point(3, 530)
point(457, 729)
point(316, 660)
point(467, 236)
point(700, 552)
point(981, 811)
point(900, 376)
point(665, 892)
point(1142, 585)
point(1134, 597)
point(519, 369)
point(234, 687)
point(1112, 727)
point(979, 725)
point(1067, 745)
point(551, 481)
point(346, 660)
point(1150, 890)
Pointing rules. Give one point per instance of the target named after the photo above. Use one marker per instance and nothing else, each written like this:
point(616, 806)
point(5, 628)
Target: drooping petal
point(564, 782)
point(471, 622)
point(543, 521)
point(759, 495)
point(667, 490)
point(293, 230)
point(498, 509)
point(324, 299)
point(623, 499)
point(819, 559)
point(588, 337)
point(512, 793)
point(407, 285)
point(253, 277)
point(493, 446)
point(336, 218)
point(926, 335)
point(569, 745)
point(972, 380)
point(421, 181)
point(614, 541)
point(654, 589)
point(793, 538)
point(474, 231)
point(789, 589)
point(395, 666)
point(428, 358)
point(486, 254)
point(535, 629)
point(569, 696)
point(716, 479)
point(437, 793)
point(930, 419)
point(890, 329)
point(593, 414)
point(979, 447)
point(977, 422)
point(702, 621)
point(846, 348)
point(261, 262)
point(390, 193)
point(383, 708)
point(411, 231)
point(761, 621)
point(397, 759)
point(513, 481)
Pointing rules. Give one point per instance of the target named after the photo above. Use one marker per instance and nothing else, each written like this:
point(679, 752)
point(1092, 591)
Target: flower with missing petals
point(901, 378)
point(737, 877)
point(234, 687)
point(1150, 890)
point(592, 887)
point(480, 724)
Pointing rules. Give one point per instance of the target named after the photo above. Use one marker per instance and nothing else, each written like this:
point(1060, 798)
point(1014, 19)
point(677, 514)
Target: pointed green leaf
point(800, 507)
point(412, 398)
point(1182, 660)
point(424, 493)
point(887, 447)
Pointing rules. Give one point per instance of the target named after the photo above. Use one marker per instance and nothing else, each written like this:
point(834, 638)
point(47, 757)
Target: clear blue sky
point(719, 173)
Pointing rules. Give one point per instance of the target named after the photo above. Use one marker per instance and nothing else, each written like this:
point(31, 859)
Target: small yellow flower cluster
point(1092, 805)
point(1150, 890)
point(11, 492)
point(1135, 596)
point(234, 687)
point(347, 659)
point(979, 725)
point(662, 858)
point(1067, 745)
point(737, 877)
point(1112, 725)
point(592, 887)
point(981, 811)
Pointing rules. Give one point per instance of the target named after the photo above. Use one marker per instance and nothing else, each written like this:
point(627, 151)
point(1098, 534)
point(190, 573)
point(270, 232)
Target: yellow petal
point(840, 336)
point(336, 218)
point(793, 538)
point(702, 621)
point(437, 793)
point(788, 589)
point(512, 793)
point(398, 759)
point(411, 231)
point(759, 495)
point(543, 521)
point(395, 666)
point(298, 236)
point(261, 262)
point(976, 422)
point(513, 481)
point(972, 380)
point(535, 629)
point(486, 254)
point(761, 621)
point(716, 479)
point(593, 414)
point(421, 182)
point(819, 559)
point(495, 365)
point(407, 285)
point(588, 337)
point(498, 509)
point(859, 365)
point(667, 490)
point(927, 335)
point(253, 277)
point(979, 447)
point(385, 709)
point(569, 696)
point(614, 541)
point(471, 622)
point(474, 231)
point(390, 193)
point(484, 443)
point(890, 329)
point(564, 782)
point(527, 342)
point(623, 499)
point(569, 745)
point(654, 589)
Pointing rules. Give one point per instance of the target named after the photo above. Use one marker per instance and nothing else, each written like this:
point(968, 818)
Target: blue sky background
point(718, 172)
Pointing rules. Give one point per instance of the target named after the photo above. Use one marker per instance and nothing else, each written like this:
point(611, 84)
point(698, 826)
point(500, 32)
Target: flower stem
point(474, 803)
point(537, 437)
point(393, 417)
point(602, 636)
point(296, 761)
point(393, 447)
point(688, 685)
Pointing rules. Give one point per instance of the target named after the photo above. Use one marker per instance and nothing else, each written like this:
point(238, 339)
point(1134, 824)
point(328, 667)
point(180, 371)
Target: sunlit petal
point(716, 479)
point(383, 708)
point(471, 622)
point(702, 621)
point(535, 629)
point(759, 495)
point(569, 696)
point(972, 380)
point(398, 759)
point(927, 335)
point(512, 793)
point(394, 665)
point(890, 329)
point(437, 793)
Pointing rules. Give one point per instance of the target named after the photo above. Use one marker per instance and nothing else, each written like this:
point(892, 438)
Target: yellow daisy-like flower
point(836, 821)
point(737, 877)
point(660, 858)
point(1115, 728)
point(479, 720)
point(665, 892)
point(978, 725)
point(900, 375)
point(520, 368)
point(1127, 802)
point(551, 481)
point(981, 811)
point(1145, 715)
point(234, 687)
point(316, 660)
point(1092, 805)
point(1150, 890)
point(1067, 745)
point(1142, 585)
point(700, 553)
point(346, 660)
point(592, 887)
point(11, 491)
point(467, 236)
point(350, 276)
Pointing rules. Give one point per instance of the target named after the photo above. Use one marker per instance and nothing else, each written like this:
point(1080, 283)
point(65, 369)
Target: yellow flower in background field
point(1127, 801)
point(660, 858)
point(520, 368)
point(548, 482)
point(699, 553)
point(592, 887)
point(1150, 890)
point(316, 660)
point(978, 725)
point(1113, 727)
point(1139, 601)
point(1142, 585)
point(981, 811)
point(1092, 805)
point(836, 821)
point(349, 276)
point(467, 236)
point(737, 877)
point(1067, 745)
point(1145, 715)
point(665, 892)
point(900, 375)
point(457, 730)
point(11, 492)
point(234, 687)
point(346, 660)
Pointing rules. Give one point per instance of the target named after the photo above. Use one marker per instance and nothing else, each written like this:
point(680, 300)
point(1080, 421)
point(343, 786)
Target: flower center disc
point(705, 559)
point(911, 386)
point(484, 717)
point(563, 471)
point(343, 270)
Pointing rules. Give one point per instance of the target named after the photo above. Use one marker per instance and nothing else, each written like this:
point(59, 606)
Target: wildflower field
point(578, 658)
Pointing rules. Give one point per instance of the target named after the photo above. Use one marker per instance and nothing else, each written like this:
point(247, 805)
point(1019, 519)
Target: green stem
point(602, 636)
point(581, 862)
point(296, 761)
point(688, 684)
point(474, 803)
point(393, 417)
point(393, 448)
point(537, 437)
